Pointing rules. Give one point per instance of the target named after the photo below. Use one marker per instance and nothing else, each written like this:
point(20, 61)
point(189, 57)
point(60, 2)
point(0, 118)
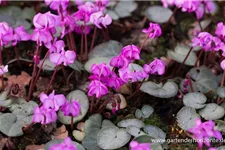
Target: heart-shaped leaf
point(90, 140)
point(131, 122)
point(195, 100)
point(180, 53)
point(96, 60)
point(168, 90)
point(155, 132)
point(93, 122)
point(11, 125)
point(47, 66)
point(145, 112)
point(107, 123)
point(80, 97)
point(125, 8)
point(112, 138)
point(212, 111)
point(78, 66)
point(134, 131)
point(4, 102)
point(221, 91)
point(58, 141)
point(107, 49)
point(123, 103)
point(186, 118)
point(78, 135)
point(158, 14)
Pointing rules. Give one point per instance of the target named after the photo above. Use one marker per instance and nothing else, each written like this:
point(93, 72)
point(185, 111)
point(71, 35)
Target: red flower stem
point(93, 38)
point(92, 103)
point(103, 105)
point(200, 26)
point(199, 56)
point(189, 52)
point(17, 56)
point(2, 77)
point(143, 44)
point(41, 67)
point(71, 123)
point(72, 41)
point(33, 75)
point(53, 76)
point(104, 35)
point(222, 81)
point(85, 41)
point(173, 14)
point(82, 44)
point(137, 90)
point(64, 71)
point(68, 79)
point(68, 42)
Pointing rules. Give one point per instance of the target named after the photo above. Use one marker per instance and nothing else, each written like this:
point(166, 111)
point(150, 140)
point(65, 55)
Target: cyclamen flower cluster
point(65, 145)
point(59, 55)
point(209, 42)
point(51, 104)
point(202, 132)
point(103, 77)
point(8, 35)
point(199, 7)
point(134, 145)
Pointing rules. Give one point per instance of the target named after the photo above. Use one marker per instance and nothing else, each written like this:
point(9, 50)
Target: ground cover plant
point(124, 75)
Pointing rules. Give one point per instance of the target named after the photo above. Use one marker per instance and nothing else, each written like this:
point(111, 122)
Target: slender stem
point(82, 45)
point(137, 90)
point(72, 41)
point(17, 56)
point(39, 70)
point(173, 14)
point(189, 52)
point(143, 44)
point(200, 25)
point(104, 35)
point(222, 81)
point(71, 123)
point(93, 38)
point(53, 76)
point(104, 104)
point(92, 103)
point(2, 78)
point(64, 71)
point(68, 42)
point(68, 79)
point(33, 75)
point(85, 41)
point(199, 56)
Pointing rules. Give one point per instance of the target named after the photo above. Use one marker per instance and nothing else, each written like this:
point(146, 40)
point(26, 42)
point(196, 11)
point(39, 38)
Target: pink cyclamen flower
point(20, 35)
point(155, 67)
point(113, 81)
point(3, 69)
point(63, 57)
point(45, 21)
point(131, 52)
point(43, 115)
point(119, 61)
point(6, 34)
point(204, 40)
point(52, 101)
point(41, 36)
point(153, 30)
point(134, 145)
point(98, 19)
point(220, 30)
point(129, 75)
point(190, 5)
point(65, 145)
point(71, 108)
point(101, 70)
point(56, 4)
point(222, 64)
point(167, 3)
point(68, 24)
point(83, 30)
point(204, 131)
point(97, 88)
point(101, 4)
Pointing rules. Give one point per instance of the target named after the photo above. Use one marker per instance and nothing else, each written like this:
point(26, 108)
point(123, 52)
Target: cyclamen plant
point(134, 145)
point(104, 77)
